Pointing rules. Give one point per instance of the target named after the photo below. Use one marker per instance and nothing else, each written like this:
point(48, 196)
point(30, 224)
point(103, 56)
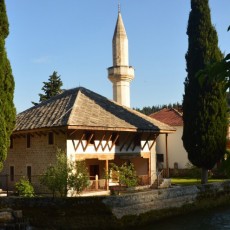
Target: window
point(11, 173)
point(160, 157)
point(50, 138)
point(11, 142)
point(28, 140)
point(29, 173)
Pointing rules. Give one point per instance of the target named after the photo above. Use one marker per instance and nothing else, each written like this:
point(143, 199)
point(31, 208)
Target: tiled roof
point(80, 107)
point(168, 116)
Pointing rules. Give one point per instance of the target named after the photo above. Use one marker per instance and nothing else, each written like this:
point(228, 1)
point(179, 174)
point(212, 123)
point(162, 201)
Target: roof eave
point(120, 129)
point(43, 129)
point(93, 128)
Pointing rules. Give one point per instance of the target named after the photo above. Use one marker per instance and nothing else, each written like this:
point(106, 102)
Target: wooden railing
point(98, 184)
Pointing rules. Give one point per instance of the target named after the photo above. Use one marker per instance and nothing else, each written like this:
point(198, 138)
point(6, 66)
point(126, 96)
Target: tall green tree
point(204, 105)
point(218, 71)
point(7, 108)
point(51, 88)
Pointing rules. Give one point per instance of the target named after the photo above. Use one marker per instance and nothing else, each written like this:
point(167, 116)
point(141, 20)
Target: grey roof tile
point(81, 107)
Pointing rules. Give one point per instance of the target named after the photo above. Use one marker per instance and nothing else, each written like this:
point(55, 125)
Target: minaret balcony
point(119, 73)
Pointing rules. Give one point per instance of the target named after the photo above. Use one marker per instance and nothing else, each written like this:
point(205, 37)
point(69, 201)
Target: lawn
point(191, 181)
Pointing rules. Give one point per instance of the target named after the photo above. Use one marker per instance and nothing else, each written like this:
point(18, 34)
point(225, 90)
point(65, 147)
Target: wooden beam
point(155, 137)
point(47, 129)
point(122, 146)
point(150, 147)
point(166, 151)
point(130, 143)
point(139, 136)
point(103, 148)
point(114, 142)
point(80, 141)
point(100, 157)
point(107, 172)
point(149, 160)
point(148, 138)
point(102, 128)
point(133, 130)
point(73, 132)
point(88, 141)
point(96, 147)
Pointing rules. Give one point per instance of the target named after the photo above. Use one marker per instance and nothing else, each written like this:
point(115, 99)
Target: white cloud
point(42, 60)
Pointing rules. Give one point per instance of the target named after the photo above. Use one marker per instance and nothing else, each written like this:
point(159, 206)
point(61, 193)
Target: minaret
point(121, 74)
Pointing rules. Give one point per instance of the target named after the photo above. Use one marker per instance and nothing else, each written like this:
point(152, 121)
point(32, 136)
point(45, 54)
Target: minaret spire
point(121, 74)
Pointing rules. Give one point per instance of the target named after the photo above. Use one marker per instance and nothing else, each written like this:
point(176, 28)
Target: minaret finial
point(119, 7)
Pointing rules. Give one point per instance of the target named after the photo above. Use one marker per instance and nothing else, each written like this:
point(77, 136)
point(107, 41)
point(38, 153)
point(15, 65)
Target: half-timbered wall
point(115, 147)
point(105, 145)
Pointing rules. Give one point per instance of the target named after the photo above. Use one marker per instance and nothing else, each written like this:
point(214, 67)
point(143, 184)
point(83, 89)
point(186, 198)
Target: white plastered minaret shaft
point(121, 74)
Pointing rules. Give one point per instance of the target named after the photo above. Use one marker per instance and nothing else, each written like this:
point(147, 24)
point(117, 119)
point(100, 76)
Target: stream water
point(218, 219)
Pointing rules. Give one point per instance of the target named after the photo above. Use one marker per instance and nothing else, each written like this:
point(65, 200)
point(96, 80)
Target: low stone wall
point(137, 203)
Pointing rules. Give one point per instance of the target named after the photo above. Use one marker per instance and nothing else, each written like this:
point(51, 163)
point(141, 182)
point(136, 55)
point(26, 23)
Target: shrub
point(193, 171)
point(223, 169)
point(55, 177)
point(79, 178)
point(65, 175)
point(127, 174)
point(24, 188)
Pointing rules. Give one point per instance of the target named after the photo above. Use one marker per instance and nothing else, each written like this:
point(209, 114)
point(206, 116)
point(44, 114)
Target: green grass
point(191, 181)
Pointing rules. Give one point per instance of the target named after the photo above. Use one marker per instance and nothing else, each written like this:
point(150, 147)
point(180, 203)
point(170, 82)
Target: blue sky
point(74, 38)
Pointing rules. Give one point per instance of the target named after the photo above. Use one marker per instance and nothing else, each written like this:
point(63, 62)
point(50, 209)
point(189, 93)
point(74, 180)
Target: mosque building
point(87, 126)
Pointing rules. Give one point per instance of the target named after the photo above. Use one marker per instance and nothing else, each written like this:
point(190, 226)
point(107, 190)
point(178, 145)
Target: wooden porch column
point(150, 157)
point(166, 152)
point(107, 171)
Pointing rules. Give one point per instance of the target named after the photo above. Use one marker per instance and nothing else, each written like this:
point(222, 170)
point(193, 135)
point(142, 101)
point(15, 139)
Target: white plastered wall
point(176, 151)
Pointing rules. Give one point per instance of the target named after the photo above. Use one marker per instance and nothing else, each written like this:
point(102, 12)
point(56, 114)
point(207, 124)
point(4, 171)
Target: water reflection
point(218, 219)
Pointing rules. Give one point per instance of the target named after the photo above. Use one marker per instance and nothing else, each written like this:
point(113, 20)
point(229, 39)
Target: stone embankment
point(112, 210)
point(141, 202)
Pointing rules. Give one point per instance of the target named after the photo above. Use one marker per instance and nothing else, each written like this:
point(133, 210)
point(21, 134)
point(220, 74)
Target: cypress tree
point(204, 105)
point(7, 109)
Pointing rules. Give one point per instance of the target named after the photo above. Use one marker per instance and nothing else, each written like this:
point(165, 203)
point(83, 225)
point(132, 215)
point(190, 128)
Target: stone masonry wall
point(124, 205)
point(141, 202)
point(39, 156)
